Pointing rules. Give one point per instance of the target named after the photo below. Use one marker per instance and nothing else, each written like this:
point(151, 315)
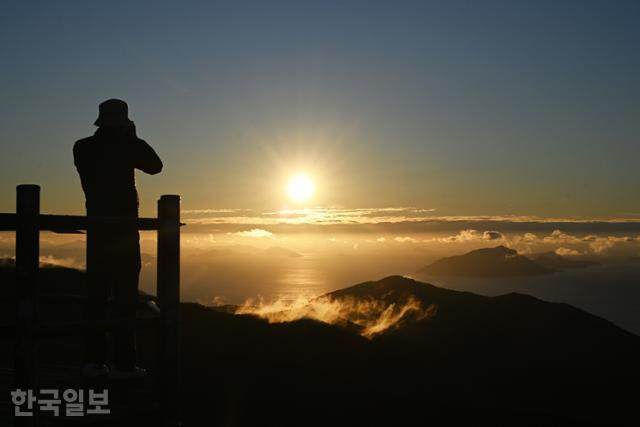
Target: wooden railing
point(27, 222)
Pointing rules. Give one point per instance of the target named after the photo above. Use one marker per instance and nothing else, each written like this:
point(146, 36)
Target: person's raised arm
point(146, 158)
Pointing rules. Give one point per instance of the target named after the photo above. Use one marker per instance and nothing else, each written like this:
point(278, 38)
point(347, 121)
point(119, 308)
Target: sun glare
point(301, 188)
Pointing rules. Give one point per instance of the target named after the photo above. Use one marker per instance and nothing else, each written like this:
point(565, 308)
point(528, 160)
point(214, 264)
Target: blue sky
point(468, 108)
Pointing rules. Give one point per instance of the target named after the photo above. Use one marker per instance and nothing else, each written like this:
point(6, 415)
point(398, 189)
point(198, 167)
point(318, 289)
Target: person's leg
point(125, 301)
point(98, 285)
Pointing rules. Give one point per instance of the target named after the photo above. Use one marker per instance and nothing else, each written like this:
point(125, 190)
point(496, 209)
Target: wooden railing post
point(27, 259)
point(169, 300)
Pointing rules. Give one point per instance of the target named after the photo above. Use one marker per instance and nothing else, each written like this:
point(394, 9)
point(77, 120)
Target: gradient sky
point(465, 107)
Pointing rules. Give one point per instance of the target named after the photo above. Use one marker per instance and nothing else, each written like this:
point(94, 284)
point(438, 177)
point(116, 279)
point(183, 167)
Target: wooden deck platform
point(129, 400)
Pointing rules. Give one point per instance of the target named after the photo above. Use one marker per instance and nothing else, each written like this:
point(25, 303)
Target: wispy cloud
point(370, 315)
point(213, 211)
point(62, 262)
point(405, 239)
point(571, 244)
point(307, 216)
point(469, 235)
point(255, 232)
point(568, 252)
point(394, 220)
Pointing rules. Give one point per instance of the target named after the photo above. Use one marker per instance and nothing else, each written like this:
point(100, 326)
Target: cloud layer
point(371, 316)
point(391, 220)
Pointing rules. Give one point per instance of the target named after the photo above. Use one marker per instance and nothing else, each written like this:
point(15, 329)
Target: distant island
point(501, 261)
point(486, 262)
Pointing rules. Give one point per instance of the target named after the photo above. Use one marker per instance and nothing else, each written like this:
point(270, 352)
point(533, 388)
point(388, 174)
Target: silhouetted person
point(106, 162)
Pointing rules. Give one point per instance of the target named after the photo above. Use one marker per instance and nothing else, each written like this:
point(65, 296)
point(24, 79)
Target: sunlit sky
point(452, 107)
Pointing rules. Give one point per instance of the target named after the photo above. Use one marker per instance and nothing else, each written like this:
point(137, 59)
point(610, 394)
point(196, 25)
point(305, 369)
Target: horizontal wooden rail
point(70, 223)
point(9, 222)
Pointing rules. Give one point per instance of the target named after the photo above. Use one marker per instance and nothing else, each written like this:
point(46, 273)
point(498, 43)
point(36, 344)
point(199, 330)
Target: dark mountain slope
point(508, 360)
point(511, 320)
point(513, 351)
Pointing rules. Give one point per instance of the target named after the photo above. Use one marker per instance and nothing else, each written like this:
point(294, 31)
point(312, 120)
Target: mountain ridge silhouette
point(506, 360)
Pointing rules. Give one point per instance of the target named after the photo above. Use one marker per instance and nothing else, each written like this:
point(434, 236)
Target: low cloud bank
point(62, 262)
point(471, 235)
point(573, 245)
point(371, 317)
point(255, 232)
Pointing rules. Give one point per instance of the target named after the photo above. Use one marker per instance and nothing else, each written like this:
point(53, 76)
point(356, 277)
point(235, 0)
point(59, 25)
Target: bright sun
point(300, 188)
